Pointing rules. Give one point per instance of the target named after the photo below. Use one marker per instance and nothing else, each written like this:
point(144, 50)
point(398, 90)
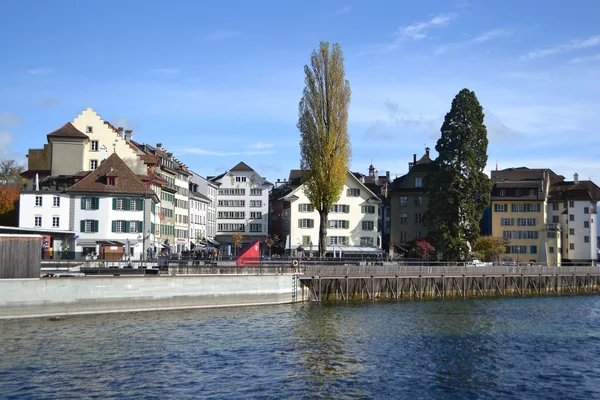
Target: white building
point(113, 211)
point(353, 223)
point(243, 204)
point(209, 189)
point(573, 204)
point(199, 205)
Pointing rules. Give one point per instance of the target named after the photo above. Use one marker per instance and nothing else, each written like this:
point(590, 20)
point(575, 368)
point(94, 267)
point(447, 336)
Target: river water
point(513, 348)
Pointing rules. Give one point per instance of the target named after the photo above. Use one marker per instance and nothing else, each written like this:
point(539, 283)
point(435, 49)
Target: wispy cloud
point(48, 102)
point(41, 71)
point(344, 10)
point(573, 45)
point(417, 31)
point(262, 145)
point(205, 152)
point(482, 38)
point(585, 59)
point(166, 71)
point(9, 119)
point(217, 36)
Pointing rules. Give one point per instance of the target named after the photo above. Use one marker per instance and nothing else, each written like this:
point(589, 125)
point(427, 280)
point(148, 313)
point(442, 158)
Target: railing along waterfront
point(336, 282)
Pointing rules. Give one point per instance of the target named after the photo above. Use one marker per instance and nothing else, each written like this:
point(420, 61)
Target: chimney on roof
point(387, 176)
point(128, 134)
point(159, 146)
point(412, 164)
point(427, 151)
point(376, 176)
point(576, 178)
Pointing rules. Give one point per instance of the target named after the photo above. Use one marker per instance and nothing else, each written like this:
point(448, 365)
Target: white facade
point(95, 220)
point(579, 227)
point(352, 222)
point(243, 205)
point(46, 210)
point(182, 211)
point(198, 214)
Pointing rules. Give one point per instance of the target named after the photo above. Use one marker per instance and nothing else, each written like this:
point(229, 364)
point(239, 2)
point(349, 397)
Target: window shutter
point(83, 204)
point(535, 235)
point(533, 221)
point(141, 204)
point(114, 205)
point(128, 205)
point(496, 207)
point(82, 225)
point(114, 225)
point(140, 227)
point(299, 223)
point(96, 225)
point(512, 222)
point(347, 192)
point(502, 222)
point(312, 223)
point(538, 207)
point(127, 226)
point(512, 208)
point(299, 207)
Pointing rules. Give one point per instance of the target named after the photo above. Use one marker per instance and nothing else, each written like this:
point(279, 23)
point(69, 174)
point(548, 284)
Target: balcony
point(170, 187)
point(552, 227)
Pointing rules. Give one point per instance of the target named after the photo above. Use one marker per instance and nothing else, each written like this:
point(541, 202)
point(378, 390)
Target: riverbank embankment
point(23, 298)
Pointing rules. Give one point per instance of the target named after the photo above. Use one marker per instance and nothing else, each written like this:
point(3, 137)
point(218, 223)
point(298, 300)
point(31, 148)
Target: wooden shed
point(20, 256)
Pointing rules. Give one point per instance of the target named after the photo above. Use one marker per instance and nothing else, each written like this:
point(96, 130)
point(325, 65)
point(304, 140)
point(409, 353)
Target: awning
point(214, 242)
point(202, 243)
point(109, 243)
point(166, 246)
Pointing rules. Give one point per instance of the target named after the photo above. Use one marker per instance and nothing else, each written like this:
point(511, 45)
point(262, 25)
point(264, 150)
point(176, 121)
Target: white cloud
point(217, 36)
point(261, 145)
point(41, 71)
point(573, 45)
point(6, 140)
point(419, 30)
point(482, 38)
point(344, 10)
point(166, 71)
point(585, 59)
point(416, 31)
point(8, 119)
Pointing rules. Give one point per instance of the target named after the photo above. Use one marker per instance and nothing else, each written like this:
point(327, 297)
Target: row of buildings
point(92, 188)
point(544, 217)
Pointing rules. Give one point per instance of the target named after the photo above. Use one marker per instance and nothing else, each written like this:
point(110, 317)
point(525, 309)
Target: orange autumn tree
point(9, 200)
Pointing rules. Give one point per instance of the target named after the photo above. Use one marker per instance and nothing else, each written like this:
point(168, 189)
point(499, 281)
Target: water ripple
point(516, 348)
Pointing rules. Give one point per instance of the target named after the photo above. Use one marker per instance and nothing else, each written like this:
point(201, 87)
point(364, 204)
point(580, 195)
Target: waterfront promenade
point(225, 285)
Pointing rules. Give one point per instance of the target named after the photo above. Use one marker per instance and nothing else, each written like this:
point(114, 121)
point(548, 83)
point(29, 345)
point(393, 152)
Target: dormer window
point(502, 192)
point(517, 192)
point(111, 181)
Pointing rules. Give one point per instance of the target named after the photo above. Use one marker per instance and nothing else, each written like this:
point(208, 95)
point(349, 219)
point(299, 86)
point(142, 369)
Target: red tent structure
point(250, 257)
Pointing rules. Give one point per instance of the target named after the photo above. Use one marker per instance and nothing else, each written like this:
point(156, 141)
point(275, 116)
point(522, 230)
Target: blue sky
point(219, 82)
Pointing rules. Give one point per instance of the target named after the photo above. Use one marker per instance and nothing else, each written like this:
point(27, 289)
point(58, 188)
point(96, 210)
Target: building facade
point(243, 204)
point(353, 222)
point(408, 205)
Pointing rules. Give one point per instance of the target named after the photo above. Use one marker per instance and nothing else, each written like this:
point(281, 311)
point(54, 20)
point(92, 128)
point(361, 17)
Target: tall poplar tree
point(323, 123)
point(459, 190)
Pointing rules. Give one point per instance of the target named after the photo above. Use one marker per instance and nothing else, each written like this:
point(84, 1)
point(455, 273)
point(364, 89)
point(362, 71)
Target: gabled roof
point(126, 183)
point(293, 192)
point(242, 166)
point(68, 130)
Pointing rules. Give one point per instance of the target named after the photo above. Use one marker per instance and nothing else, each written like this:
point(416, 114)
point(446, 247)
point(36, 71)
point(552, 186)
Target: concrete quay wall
point(22, 298)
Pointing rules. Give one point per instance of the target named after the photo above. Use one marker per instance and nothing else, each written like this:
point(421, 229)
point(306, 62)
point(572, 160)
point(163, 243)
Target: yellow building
point(519, 210)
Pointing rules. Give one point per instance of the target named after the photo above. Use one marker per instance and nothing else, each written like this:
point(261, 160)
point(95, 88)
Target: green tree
point(490, 247)
point(323, 123)
point(10, 173)
point(459, 190)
